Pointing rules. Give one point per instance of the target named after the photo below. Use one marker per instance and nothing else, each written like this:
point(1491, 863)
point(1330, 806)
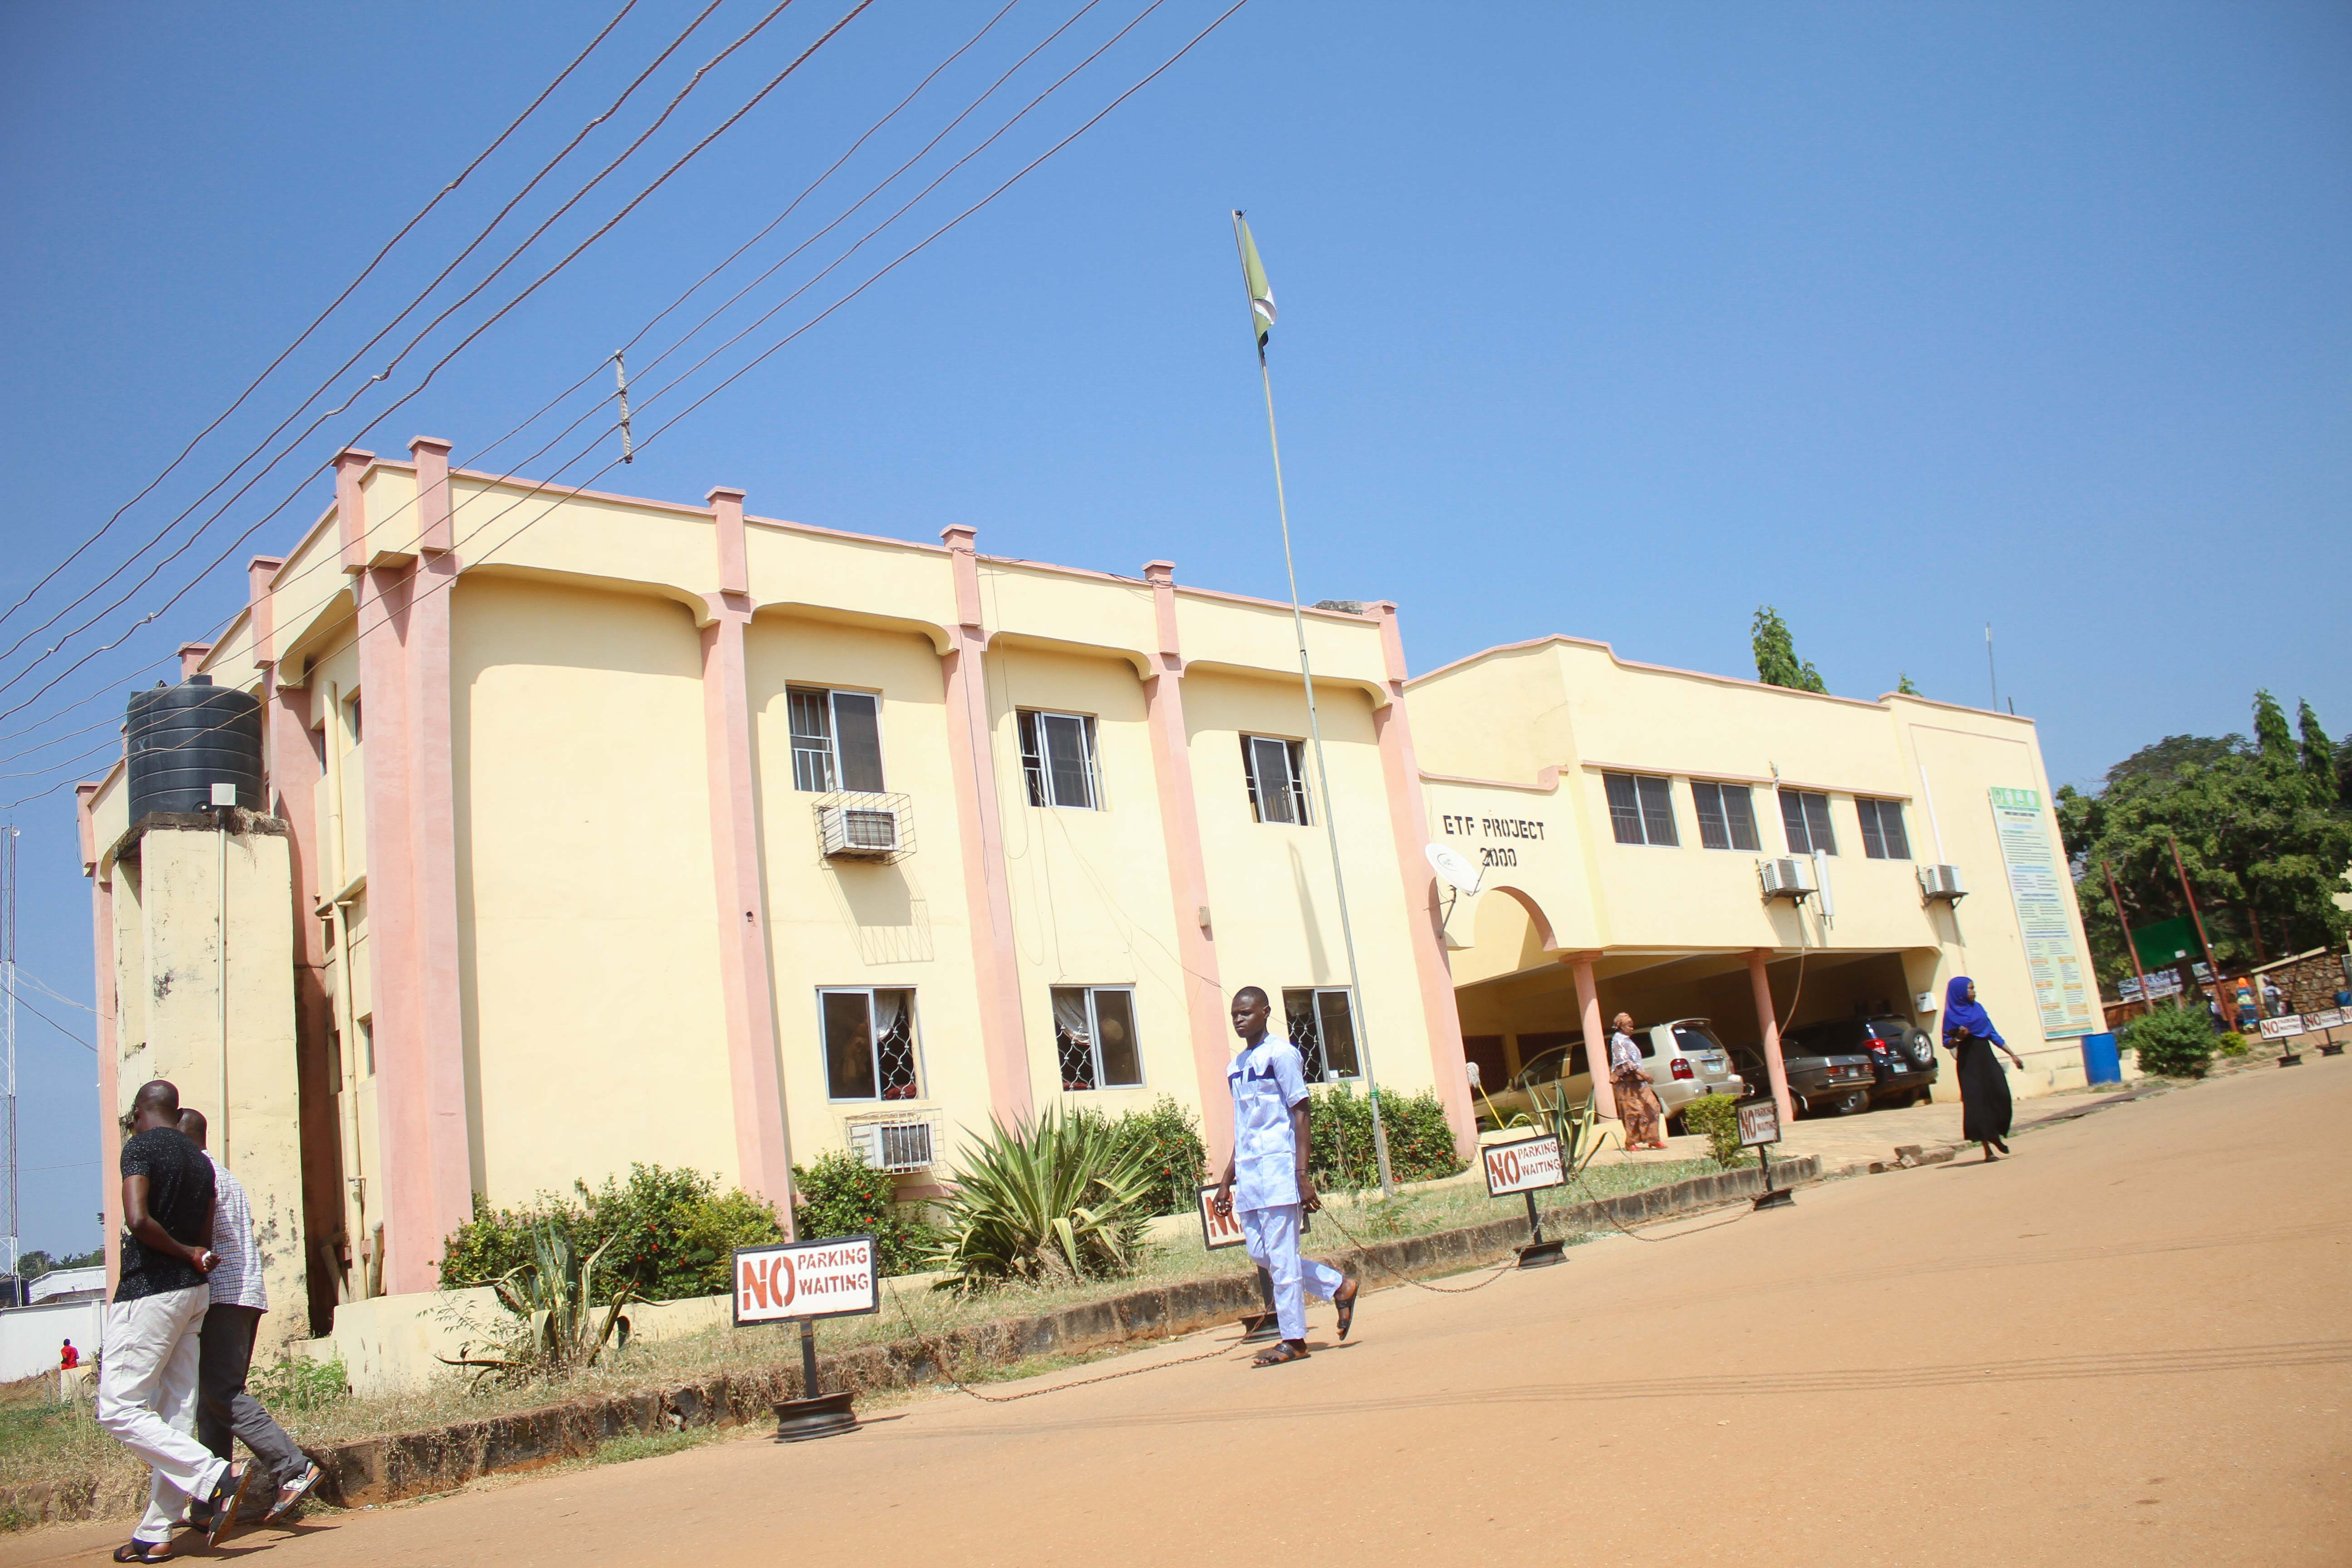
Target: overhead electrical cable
point(381, 332)
point(413, 393)
point(351, 634)
point(336, 303)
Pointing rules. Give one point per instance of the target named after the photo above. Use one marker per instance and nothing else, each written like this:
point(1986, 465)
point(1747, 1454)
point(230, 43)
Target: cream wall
point(587, 926)
point(1091, 904)
point(842, 922)
point(1271, 895)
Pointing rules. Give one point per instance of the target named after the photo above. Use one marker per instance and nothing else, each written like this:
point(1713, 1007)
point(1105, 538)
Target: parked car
point(1901, 1056)
point(1682, 1059)
point(1835, 1085)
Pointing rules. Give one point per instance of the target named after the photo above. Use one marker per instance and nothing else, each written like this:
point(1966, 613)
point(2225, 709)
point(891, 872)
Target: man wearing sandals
point(1266, 1181)
point(225, 1409)
point(147, 1379)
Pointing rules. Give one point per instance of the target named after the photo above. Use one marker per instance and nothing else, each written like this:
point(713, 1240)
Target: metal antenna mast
point(8, 1032)
point(620, 384)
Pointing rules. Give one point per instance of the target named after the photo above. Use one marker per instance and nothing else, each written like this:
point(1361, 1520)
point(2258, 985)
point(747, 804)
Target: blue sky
point(1612, 320)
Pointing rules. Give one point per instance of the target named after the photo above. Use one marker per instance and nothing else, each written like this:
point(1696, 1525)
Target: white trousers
point(1272, 1237)
point(147, 1399)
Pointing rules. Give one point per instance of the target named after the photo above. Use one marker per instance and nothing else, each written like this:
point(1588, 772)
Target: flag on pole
point(1261, 292)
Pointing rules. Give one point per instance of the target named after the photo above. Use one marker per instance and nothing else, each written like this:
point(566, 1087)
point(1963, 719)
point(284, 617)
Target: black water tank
point(185, 739)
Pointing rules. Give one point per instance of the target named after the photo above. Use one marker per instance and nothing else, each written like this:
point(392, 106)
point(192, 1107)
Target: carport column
point(102, 937)
point(1771, 1027)
point(1409, 823)
point(1188, 876)
point(763, 1151)
point(1596, 1038)
point(988, 894)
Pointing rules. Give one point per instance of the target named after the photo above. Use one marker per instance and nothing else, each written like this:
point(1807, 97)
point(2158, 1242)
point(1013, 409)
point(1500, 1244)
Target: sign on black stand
point(1528, 1166)
point(1759, 1128)
point(801, 1281)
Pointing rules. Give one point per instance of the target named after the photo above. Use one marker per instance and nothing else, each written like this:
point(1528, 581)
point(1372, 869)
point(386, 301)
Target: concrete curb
point(376, 1470)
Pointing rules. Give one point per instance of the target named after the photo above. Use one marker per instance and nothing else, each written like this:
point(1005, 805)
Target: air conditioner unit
point(1786, 879)
point(893, 1145)
point(1942, 882)
point(860, 831)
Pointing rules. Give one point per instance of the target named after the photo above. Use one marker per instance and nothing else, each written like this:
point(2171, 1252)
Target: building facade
point(602, 831)
point(624, 832)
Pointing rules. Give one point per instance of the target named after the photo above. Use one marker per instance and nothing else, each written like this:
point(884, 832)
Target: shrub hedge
point(2172, 1042)
point(1340, 1136)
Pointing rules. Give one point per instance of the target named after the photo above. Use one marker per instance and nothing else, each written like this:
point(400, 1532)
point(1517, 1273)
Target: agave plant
point(1053, 1199)
point(560, 1324)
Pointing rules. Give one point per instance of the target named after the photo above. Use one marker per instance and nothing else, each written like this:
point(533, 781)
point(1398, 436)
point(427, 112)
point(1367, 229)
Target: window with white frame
point(1324, 1030)
point(1057, 757)
point(1094, 1037)
point(1726, 816)
point(836, 739)
point(1805, 817)
point(1640, 808)
point(869, 1043)
point(1883, 837)
point(1277, 779)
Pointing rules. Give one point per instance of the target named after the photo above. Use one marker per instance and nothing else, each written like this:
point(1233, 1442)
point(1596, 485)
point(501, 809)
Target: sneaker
point(291, 1495)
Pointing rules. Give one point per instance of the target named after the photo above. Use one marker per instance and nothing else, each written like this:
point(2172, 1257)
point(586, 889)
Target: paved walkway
point(2126, 1345)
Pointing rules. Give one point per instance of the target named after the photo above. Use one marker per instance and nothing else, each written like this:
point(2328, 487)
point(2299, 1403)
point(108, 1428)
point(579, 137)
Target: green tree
point(2319, 752)
point(1775, 654)
point(2271, 733)
point(2263, 846)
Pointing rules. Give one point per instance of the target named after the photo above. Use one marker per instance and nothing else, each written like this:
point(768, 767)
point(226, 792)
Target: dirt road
point(2131, 1344)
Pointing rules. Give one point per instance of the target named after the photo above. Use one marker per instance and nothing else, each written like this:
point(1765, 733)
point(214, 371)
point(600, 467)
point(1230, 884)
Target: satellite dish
point(1453, 867)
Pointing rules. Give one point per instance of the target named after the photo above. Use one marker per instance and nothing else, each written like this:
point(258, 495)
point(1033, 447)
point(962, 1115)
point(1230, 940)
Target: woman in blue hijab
point(1969, 1035)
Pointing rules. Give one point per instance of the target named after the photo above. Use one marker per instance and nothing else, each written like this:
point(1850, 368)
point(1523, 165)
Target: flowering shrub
point(671, 1232)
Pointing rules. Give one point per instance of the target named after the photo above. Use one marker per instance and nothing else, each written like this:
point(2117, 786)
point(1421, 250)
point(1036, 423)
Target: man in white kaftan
point(1266, 1182)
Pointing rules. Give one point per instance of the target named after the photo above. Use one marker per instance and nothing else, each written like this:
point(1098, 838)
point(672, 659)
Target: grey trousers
point(225, 1410)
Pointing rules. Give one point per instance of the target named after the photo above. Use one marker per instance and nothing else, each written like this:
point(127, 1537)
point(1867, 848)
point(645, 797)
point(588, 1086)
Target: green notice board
point(2167, 943)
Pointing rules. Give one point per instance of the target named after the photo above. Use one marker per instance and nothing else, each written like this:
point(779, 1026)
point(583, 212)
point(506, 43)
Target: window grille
point(1726, 816)
point(1057, 759)
point(1324, 1030)
point(1640, 808)
point(1094, 1037)
point(836, 739)
point(1805, 817)
point(869, 1043)
point(1883, 837)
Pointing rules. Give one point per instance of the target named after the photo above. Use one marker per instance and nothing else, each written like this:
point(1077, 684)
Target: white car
point(1682, 1059)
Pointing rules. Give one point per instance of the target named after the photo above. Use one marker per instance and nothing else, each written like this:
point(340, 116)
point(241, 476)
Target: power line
point(907, 255)
point(590, 375)
point(431, 372)
point(385, 373)
point(332, 306)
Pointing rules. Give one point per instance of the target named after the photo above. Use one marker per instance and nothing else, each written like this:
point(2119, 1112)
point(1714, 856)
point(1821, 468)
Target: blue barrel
point(2102, 1063)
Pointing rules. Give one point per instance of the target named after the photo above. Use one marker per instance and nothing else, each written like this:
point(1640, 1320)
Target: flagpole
point(1322, 775)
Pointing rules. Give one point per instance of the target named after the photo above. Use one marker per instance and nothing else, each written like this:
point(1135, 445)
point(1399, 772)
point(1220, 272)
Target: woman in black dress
point(1969, 1035)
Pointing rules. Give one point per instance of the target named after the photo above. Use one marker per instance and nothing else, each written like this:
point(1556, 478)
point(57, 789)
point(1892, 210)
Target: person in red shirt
point(68, 1358)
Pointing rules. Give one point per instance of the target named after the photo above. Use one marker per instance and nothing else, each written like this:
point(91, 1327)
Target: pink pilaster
point(763, 1143)
point(1765, 1020)
point(351, 512)
point(191, 658)
point(403, 625)
point(1424, 917)
point(435, 530)
point(1596, 1038)
point(988, 898)
point(1188, 876)
point(101, 942)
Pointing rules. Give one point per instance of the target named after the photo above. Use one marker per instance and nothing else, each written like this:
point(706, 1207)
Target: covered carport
point(1518, 994)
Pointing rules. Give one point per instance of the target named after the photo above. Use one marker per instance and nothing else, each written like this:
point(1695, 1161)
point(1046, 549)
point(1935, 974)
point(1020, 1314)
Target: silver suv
point(1682, 1059)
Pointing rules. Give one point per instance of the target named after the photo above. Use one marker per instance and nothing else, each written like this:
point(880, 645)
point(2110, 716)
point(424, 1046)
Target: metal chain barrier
point(937, 1345)
point(1364, 1248)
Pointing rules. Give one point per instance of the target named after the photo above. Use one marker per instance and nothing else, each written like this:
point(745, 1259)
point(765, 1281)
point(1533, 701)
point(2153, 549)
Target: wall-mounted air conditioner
point(865, 827)
point(1941, 882)
point(1786, 879)
point(893, 1145)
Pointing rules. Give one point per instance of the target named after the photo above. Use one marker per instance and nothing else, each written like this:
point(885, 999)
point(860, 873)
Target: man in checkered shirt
point(225, 1409)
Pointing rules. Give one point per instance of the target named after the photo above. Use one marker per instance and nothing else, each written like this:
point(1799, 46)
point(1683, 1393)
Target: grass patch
point(654, 1445)
point(42, 1442)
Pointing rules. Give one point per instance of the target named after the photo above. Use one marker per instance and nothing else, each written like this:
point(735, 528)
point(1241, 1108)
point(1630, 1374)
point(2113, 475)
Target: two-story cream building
point(600, 830)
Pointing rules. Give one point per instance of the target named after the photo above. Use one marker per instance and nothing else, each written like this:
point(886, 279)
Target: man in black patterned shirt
point(147, 1379)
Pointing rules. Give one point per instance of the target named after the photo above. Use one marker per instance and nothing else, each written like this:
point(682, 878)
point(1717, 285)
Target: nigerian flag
point(1261, 292)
